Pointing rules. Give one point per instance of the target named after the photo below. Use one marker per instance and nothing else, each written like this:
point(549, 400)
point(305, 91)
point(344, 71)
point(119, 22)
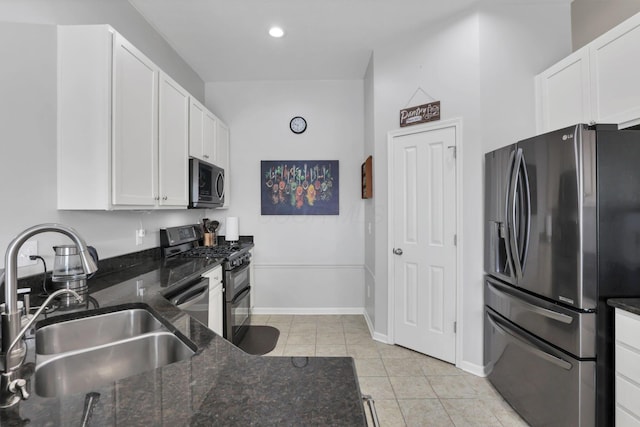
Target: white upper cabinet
point(135, 126)
point(173, 143)
point(209, 140)
point(563, 91)
point(202, 132)
point(594, 84)
point(122, 125)
point(615, 67)
point(222, 156)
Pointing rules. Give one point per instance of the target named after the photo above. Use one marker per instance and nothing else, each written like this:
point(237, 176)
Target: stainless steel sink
point(82, 370)
point(95, 330)
point(80, 354)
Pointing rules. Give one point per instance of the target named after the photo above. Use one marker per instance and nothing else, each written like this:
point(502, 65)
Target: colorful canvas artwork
point(299, 187)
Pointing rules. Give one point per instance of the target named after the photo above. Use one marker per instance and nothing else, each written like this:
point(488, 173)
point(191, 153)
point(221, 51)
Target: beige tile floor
point(409, 388)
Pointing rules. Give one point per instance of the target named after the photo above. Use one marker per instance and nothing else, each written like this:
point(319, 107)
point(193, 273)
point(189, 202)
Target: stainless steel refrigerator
point(562, 235)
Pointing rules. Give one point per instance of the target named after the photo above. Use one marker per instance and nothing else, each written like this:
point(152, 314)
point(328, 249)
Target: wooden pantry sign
point(420, 114)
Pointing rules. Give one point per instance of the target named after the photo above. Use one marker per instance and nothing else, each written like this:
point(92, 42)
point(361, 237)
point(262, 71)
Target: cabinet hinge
point(455, 327)
point(455, 240)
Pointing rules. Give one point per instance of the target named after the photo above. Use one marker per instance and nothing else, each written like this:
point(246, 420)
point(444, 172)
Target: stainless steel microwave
point(206, 185)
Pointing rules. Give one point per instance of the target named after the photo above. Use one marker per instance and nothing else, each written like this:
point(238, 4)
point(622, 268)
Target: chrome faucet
point(13, 351)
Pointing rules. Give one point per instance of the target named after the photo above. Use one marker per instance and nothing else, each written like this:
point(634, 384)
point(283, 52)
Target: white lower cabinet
point(627, 367)
point(216, 300)
point(252, 282)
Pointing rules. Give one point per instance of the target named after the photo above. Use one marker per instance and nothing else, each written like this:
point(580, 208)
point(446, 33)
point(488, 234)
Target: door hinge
point(455, 327)
point(454, 150)
point(455, 240)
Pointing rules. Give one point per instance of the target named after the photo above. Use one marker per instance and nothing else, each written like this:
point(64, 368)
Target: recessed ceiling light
point(276, 32)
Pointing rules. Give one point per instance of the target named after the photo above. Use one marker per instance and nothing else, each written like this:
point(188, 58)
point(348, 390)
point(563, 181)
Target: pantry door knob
point(397, 251)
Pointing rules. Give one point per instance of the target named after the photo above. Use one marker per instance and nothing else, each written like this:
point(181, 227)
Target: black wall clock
point(298, 125)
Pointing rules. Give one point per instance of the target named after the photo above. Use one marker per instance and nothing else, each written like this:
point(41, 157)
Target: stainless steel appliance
point(562, 220)
point(186, 241)
point(236, 283)
point(206, 185)
point(193, 298)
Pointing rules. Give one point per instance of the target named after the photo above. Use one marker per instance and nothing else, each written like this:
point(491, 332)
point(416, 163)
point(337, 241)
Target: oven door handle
point(241, 295)
point(192, 295)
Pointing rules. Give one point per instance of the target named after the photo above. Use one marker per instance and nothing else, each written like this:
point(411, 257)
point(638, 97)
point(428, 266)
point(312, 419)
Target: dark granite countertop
point(219, 385)
point(631, 305)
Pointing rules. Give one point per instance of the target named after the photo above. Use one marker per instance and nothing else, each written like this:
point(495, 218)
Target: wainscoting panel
point(308, 289)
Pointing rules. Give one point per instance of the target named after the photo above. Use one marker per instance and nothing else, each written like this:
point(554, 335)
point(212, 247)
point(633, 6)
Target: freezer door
point(561, 260)
point(570, 330)
point(497, 253)
point(544, 385)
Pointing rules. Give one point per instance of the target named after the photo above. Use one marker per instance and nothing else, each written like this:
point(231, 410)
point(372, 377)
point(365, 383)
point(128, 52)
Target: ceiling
point(227, 40)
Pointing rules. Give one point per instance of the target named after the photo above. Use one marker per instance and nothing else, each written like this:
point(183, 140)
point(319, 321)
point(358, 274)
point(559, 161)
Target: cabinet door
point(216, 306)
point(252, 281)
point(209, 138)
point(196, 129)
point(627, 367)
point(615, 67)
point(216, 300)
point(135, 124)
point(222, 156)
point(173, 143)
point(563, 93)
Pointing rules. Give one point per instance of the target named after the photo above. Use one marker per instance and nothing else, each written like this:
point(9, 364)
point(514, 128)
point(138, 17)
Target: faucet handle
point(19, 386)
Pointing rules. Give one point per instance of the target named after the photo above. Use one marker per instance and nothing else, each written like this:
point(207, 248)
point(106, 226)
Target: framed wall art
point(366, 171)
point(299, 187)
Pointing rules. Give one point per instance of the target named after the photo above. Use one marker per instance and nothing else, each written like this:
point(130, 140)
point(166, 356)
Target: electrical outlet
point(29, 247)
point(140, 233)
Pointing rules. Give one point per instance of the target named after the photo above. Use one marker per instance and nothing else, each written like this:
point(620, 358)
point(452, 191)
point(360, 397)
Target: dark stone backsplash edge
point(106, 266)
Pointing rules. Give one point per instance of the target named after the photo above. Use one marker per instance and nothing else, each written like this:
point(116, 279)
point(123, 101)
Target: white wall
point(121, 15)
point(480, 65)
point(302, 263)
point(592, 18)
point(443, 61)
point(369, 204)
point(28, 130)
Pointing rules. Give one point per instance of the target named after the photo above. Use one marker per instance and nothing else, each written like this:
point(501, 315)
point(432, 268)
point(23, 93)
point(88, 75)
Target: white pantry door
point(424, 232)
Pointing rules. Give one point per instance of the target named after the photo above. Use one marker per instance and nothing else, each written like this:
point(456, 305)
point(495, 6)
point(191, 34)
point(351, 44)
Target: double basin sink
point(78, 354)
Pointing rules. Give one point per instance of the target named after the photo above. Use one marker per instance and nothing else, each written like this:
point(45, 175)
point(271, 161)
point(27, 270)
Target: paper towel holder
point(231, 232)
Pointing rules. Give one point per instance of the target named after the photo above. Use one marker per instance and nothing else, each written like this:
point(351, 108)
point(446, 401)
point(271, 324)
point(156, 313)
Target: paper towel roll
point(231, 234)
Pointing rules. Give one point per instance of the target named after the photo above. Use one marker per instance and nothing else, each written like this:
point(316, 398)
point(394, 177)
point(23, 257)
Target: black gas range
point(186, 242)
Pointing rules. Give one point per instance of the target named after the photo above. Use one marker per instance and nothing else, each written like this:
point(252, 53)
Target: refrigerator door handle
point(512, 212)
point(563, 318)
point(527, 194)
point(528, 345)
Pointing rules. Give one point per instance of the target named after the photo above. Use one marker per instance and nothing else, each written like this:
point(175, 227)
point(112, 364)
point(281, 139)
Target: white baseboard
point(375, 335)
point(381, 337)
point(472, 368)
point(307, 310)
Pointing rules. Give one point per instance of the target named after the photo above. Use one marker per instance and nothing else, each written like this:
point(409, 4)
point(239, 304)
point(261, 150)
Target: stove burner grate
point(210, 252)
